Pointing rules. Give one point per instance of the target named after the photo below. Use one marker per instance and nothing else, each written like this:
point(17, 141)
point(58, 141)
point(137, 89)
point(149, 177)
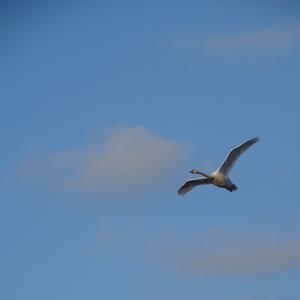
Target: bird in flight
point(219, 177)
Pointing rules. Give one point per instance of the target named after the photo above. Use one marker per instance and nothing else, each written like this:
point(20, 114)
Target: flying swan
point(219, 177)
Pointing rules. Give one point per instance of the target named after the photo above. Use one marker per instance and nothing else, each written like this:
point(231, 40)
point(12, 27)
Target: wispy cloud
point(256, 41)
point(220, 252)
point(129, 159)
point(260, 40)
point(236, 255)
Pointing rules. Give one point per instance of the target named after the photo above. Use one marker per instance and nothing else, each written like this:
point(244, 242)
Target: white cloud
point(259, 40)
point(130, 159)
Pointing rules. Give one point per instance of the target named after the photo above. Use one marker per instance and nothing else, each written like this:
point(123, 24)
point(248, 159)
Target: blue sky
point(105, 109)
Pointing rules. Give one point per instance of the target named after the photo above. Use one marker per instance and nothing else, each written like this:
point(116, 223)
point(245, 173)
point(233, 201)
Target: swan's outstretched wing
point(190, 184)
point(234, 154)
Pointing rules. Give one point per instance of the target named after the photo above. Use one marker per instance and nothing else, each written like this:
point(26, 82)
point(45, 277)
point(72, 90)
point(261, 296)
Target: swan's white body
point(220, 176)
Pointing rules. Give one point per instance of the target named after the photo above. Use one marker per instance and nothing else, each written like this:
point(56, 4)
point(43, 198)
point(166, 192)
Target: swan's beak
point(194, 171)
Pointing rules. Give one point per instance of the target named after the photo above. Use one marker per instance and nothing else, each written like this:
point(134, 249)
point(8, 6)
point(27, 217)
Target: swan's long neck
point(201, 173)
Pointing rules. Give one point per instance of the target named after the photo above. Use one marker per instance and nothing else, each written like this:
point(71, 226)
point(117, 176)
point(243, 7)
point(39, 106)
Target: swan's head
point(194, 171)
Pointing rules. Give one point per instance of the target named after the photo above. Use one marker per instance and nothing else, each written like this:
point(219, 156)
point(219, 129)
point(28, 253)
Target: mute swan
point(219, 177)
